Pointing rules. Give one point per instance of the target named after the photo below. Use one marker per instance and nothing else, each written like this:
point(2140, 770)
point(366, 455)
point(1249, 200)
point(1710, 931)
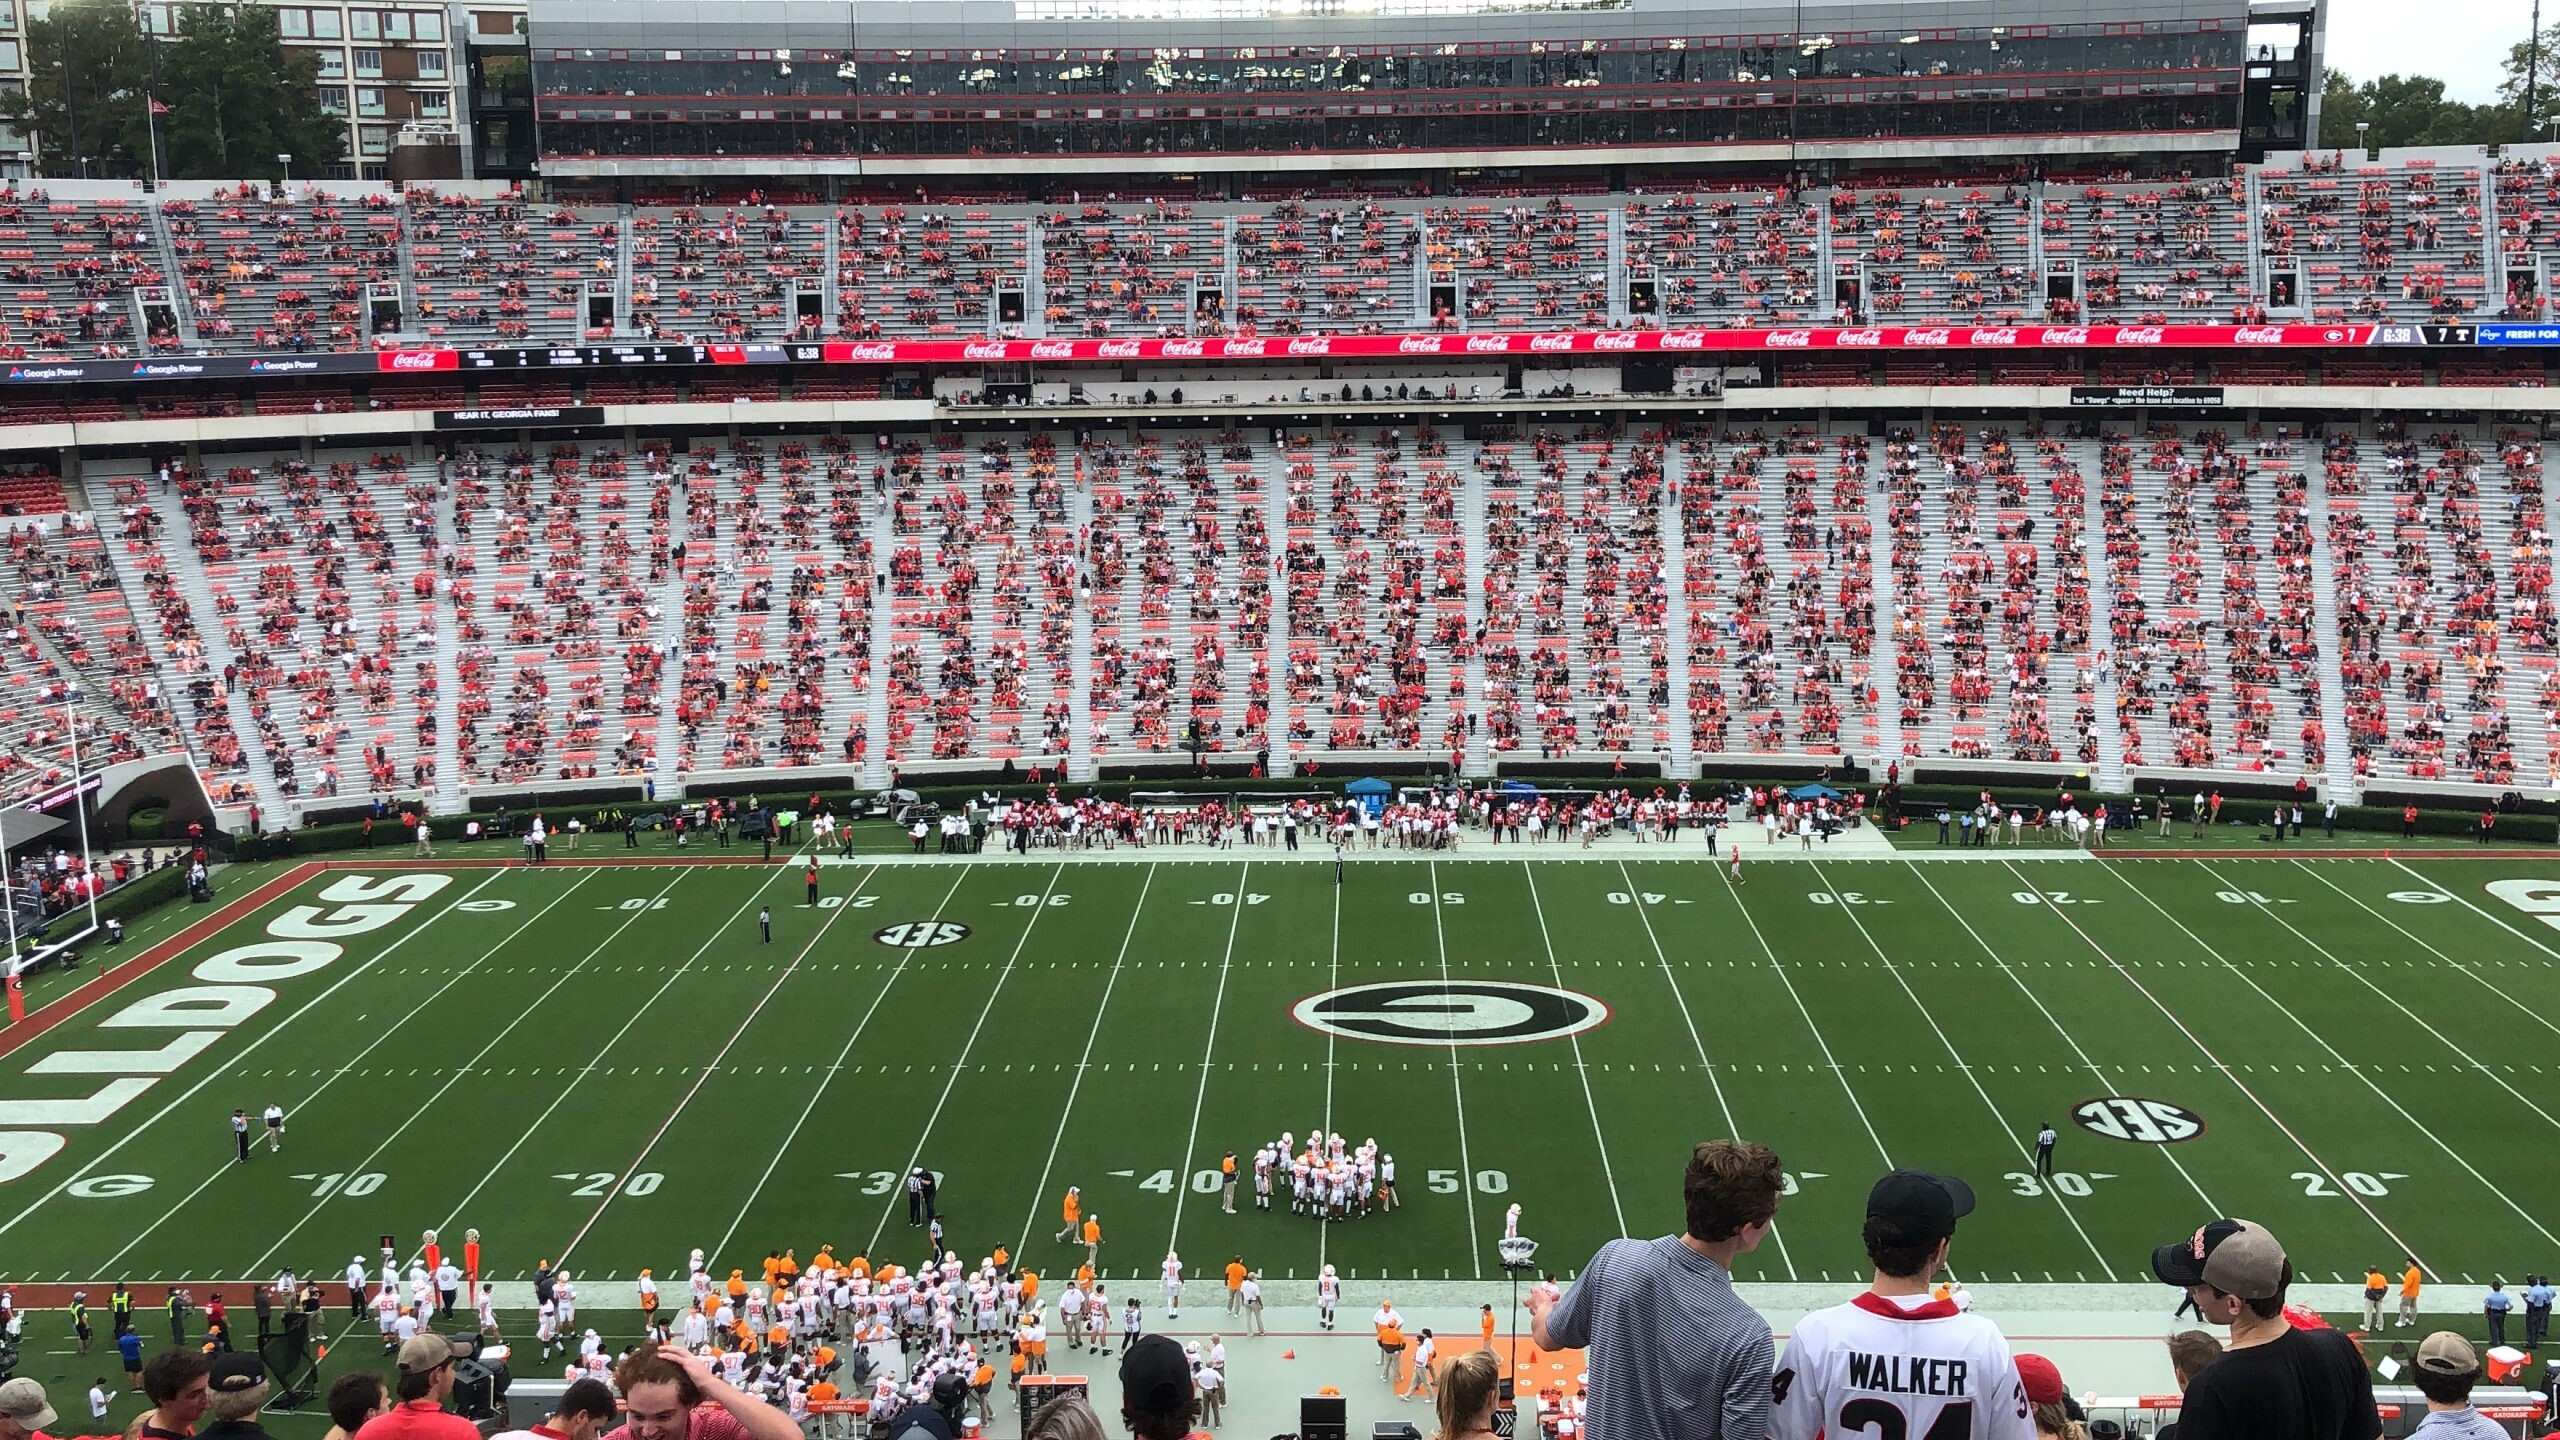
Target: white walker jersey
point(1878, 1369)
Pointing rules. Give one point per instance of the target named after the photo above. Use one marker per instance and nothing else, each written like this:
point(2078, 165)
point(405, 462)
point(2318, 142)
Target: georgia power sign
point(1450, 1012)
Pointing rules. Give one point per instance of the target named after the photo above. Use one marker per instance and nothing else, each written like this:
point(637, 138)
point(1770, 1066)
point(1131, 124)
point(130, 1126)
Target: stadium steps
point(1888, 646)
point(2111, 767)
point(2340, 769)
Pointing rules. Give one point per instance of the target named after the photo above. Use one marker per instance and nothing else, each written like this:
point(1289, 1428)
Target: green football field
point(603, 1066)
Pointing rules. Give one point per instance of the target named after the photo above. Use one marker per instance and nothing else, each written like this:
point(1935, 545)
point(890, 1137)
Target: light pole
point(287, 162)
point(2363, 153)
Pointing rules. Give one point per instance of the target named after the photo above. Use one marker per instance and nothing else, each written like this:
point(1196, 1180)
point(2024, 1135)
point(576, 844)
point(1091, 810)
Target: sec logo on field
point(1455, 1012)
point(919, 934)
point(2144, 1122)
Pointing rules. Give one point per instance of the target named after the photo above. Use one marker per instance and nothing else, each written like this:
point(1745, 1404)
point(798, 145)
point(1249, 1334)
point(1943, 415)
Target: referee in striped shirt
point(1674, 1354)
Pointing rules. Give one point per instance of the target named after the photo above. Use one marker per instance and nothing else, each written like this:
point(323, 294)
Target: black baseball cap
point(234, 1371)
point(2236, 1257)
point(1155, 1376)
point(1924, 1207)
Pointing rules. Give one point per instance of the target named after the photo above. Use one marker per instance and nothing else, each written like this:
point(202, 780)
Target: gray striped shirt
point(1674, 1354)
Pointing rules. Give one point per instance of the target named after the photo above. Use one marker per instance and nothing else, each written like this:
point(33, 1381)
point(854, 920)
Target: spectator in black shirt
point(178, 1384)
point(2273, 1382)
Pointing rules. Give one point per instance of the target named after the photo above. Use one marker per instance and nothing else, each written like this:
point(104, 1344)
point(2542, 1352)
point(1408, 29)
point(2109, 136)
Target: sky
point(2457, 41)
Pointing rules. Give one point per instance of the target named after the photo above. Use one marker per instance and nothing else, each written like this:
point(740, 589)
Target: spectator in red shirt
point(423, 1381)
point(671, 1394)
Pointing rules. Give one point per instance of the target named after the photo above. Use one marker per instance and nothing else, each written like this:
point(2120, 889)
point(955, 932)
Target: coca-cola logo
point(1121, 350)
point(1993, 337)
point(1684, 339)
point(1613, 341)
point(1550, 342)
point(1858, 339)
point(991, 351)
point(1926, 337)
point(2258, 335)
point(1311, 347)
point(1240, 347)
point(2141, 335)
point(1791, 339)
point(1187, 349)
point(1053, 350)
point(2065, 335)
point(871, 350)
point(1488, 344)
point(1418, 345)
point(419, 360)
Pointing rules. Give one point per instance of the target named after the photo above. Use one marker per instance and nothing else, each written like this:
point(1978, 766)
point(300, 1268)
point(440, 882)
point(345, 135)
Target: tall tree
point(238, 98)
point(2407, 110)
point(86, 69)
point(2540, 63)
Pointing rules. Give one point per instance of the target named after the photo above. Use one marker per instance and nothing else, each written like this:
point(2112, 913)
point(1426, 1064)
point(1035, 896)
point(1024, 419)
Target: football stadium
point(1292, 861)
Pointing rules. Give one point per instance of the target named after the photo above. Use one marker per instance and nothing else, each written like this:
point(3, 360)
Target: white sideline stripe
point(333, 1077)
point(762, 1001)
point(1200, 1097)
point(251, 1048)
point(1556, 968)
point(2343, 1188)
point(1084, 1061)
point(960, 1064)
point(1997, 1121)
point(2167, 1152)
point(566, 1091)
point(1457, 1088)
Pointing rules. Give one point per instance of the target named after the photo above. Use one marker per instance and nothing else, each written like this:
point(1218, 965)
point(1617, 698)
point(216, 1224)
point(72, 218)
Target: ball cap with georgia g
point(1924, 1207)
point(1155, 1376)
point(421, 1354)
point(22, 1400)
point(2236, 1257)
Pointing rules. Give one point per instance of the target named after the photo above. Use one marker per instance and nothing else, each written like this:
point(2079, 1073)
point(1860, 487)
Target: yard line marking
point(2342, 1187)
point(842, 1056)
point(607, 1048)
point(926, 1134)
point(1588, 1103)
point(2466, 903)
point(331, 1078)
point(2359, 902)
point(1084, 1061)
point(734, 1036)
point(1200, 1098)
point(258, 1267)
point(2166, 1152)
point(2393, 1001)
point(1829, 1060)
point(1457, 1091)
point(1332, 981)
point(192, 1091)
point(1971, 1076)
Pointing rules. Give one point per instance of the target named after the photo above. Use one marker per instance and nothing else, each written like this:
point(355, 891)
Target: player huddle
point(1329, 1178)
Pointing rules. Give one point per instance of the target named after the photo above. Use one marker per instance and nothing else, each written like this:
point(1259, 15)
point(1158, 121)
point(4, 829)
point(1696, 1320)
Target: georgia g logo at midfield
point(1454, 1012)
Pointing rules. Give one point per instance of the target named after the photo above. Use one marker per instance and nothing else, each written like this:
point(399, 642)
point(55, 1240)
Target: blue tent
point(1518, 787)
point(1814, 792)
point(1371, 792)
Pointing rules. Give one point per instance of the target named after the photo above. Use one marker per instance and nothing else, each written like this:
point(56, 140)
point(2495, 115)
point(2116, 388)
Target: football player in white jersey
point(1895, 1360)
point(1328, 1295)
point(1172, 1284)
